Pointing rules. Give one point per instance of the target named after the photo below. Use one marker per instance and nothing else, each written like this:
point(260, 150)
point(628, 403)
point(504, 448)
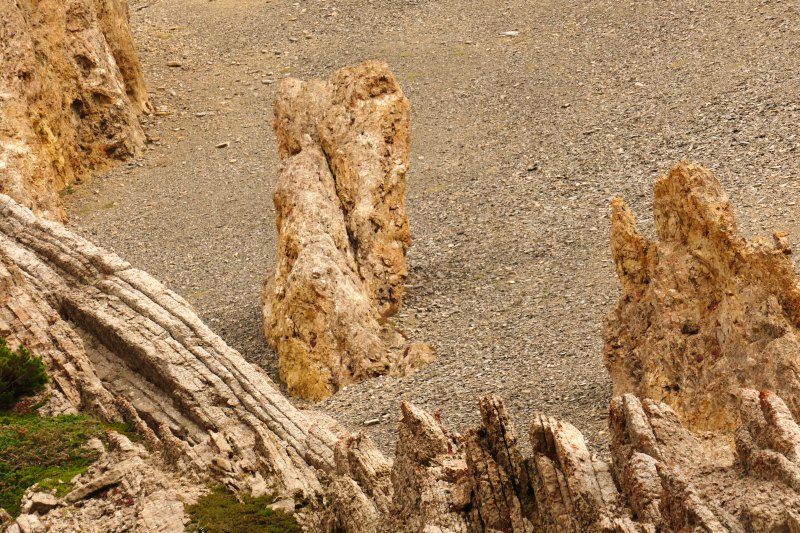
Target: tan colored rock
point(425, 489)
point(429, 476)
point(40, 503)
point(696, 482)
point(703, 311)
point(121, 346)
point(343, 232)
point(361, 120)
point(72, 90)
point(366, 133)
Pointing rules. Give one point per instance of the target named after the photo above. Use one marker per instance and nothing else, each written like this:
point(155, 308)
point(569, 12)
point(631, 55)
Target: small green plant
point(20, 374)
point(407, 54)
point(220, 512)
point(276, 377)
point(109, 205)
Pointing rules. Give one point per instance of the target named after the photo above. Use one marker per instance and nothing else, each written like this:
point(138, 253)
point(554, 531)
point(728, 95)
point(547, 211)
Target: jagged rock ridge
point(72, 91)
point(343, 232)
point(663, 477)
point(703, 311)
point(123, 347)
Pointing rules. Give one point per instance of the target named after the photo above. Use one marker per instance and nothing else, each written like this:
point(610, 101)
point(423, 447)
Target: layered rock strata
point(343, 232)
point(121, 346)
point(703, 312)
point(72, 90)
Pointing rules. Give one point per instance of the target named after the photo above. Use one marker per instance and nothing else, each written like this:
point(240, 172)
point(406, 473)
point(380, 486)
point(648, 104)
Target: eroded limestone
point(703, 311)
point(72, 90)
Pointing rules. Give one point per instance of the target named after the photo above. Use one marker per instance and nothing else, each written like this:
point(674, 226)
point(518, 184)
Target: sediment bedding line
point(155, 332)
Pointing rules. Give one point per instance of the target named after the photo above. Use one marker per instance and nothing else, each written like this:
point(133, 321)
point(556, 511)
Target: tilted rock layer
point(120, 346)
point(71, 91)
point(343, 232)
point(703, 312)
point(663, 477)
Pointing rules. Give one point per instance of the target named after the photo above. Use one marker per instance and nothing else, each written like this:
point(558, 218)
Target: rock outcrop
point(703, 312)
point(71, 92)
point(125, 490)
point(121, 346)
point(343, 232)
point(663, 477)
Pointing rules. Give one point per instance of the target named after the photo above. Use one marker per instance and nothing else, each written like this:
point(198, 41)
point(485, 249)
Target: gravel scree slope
point(518, 145)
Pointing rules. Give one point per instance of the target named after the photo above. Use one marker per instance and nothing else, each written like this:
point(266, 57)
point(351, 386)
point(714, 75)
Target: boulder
point(72, 91)
point(342, 232)
point(40, 503)
point(285, 505)
point(703, 312)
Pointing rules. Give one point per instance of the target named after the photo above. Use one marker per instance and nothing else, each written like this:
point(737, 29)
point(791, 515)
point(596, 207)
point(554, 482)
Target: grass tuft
point(220, 512)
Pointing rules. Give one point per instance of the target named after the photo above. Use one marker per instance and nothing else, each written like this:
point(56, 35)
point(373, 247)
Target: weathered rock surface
point(703, 312)
point(343, 232)
point(71, 91)
point(663, 477)
point(122, 347)
point(360, 118)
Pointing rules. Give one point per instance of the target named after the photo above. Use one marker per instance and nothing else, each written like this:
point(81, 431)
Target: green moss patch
point(220, 512)
point(48, 451)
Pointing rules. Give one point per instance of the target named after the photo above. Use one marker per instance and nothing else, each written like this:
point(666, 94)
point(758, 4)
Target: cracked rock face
point(343, 232)
point(663, 477)
point(703, 311)
point(72, 91)
point(120, 346)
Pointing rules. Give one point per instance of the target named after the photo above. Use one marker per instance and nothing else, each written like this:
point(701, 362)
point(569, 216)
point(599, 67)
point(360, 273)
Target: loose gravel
point(519, 142)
